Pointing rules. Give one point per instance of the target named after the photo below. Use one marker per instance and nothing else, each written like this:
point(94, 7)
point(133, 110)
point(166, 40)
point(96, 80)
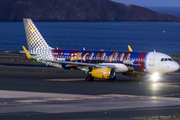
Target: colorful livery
point(97, 63)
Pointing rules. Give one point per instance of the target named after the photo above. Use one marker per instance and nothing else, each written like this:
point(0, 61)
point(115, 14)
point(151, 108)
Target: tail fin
point(33, 36)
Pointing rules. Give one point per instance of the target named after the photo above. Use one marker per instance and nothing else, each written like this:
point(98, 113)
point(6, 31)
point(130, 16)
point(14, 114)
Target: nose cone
point(175, 67)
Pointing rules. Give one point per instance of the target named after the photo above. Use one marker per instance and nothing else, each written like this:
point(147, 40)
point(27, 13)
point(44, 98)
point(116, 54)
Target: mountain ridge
point(78, 10)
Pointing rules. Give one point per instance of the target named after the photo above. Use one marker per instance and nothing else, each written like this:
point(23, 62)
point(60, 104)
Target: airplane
point(104, 64)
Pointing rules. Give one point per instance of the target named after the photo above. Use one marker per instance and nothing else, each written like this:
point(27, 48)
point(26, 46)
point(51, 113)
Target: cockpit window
point(166, 59)
point(169, 59)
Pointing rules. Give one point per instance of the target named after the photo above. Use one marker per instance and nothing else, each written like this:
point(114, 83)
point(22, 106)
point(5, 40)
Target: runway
point(68, 96)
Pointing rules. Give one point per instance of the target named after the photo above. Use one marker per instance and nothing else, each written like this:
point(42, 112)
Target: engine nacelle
point(137, 75)
point(105, 73)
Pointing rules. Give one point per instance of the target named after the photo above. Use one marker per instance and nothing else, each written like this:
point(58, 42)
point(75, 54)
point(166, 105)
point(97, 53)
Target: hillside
point(77, 10)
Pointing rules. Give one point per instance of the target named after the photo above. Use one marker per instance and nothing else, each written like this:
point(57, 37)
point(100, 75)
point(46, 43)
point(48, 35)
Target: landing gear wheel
point(89, 78)
point(113, 79)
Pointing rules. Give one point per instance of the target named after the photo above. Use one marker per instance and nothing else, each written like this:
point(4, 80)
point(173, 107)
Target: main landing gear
point(113, 79)
point(89, 78)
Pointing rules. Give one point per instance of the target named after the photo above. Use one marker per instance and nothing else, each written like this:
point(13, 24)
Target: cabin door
point(151, 60)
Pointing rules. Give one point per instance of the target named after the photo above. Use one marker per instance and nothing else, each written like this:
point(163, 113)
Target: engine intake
point(105, 73)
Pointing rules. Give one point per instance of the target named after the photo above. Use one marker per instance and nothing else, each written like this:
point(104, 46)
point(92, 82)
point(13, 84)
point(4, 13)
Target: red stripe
point(140, 61)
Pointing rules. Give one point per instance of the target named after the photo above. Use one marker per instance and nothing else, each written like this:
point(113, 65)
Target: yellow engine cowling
point(137, 75)
point(105, 73)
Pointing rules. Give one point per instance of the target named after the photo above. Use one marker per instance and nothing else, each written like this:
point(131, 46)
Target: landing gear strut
point(89, 78)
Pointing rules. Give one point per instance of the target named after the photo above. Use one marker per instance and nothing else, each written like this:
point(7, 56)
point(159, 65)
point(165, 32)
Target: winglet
point(27, 54)
point(129, 47)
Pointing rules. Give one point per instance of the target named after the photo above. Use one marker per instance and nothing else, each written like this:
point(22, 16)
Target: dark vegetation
point(78, 10)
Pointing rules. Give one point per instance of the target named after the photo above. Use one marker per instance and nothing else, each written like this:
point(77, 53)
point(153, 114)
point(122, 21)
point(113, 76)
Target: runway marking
point(65, 103)
point(64, 80)
point(95, 97)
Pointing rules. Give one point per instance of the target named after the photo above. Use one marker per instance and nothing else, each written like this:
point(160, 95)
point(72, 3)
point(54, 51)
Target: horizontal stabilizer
point(26, 52)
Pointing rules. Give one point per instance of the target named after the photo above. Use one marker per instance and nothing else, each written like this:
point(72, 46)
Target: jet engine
point(105, 73)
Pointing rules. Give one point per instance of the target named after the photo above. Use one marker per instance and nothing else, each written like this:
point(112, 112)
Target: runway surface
point(68, 96)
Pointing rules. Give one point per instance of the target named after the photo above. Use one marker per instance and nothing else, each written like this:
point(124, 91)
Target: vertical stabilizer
point(33, 36)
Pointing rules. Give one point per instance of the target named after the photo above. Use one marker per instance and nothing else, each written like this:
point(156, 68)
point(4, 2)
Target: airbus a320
point(97, 63)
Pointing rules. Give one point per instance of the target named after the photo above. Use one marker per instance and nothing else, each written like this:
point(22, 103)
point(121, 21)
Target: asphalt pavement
point(26, 95)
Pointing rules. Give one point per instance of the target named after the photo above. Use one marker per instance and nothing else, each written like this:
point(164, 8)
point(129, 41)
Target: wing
point(81, 64)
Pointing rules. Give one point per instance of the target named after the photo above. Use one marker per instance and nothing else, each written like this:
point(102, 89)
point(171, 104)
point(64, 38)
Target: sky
point(152, 3)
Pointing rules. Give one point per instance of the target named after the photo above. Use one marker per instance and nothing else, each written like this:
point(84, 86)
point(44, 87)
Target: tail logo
point(34, 38)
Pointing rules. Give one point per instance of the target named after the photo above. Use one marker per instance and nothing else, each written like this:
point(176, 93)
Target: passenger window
point(162, 59)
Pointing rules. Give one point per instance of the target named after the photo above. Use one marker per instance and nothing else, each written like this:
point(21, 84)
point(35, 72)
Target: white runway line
point(17, 101)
